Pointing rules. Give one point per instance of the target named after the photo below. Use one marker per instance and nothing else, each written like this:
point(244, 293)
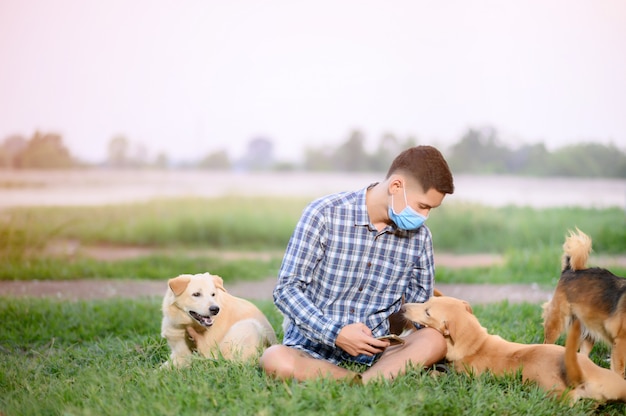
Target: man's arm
point(304, 251)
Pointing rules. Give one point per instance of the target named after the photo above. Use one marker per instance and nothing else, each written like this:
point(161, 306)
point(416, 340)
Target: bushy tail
point(576, 251)
point(573, 372)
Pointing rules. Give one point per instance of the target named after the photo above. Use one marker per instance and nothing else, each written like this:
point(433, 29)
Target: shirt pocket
point(391, 276)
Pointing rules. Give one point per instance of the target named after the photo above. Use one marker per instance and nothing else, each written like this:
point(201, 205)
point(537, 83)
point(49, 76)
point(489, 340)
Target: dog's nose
point(214, 310)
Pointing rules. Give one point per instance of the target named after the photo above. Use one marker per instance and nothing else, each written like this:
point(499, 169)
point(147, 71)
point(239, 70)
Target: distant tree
point(530, 159)
point(259, 155)
point(161, 161)
point(10, 151)
point(388, 148)
point(118, 152)
point(410, 141)
point(589, 159)
point(318, 159)
point(284, 166)
point(479, 151)
point(216, 161)
point(45, 151)
point(351, 155)
point(140, 156)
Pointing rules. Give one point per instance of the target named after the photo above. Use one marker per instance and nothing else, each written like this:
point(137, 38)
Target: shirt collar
point(361, 217)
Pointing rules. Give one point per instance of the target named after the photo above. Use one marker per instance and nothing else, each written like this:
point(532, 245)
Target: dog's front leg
point(586, 345)
point(181, 353)
point(205, 346)
point(618, 356)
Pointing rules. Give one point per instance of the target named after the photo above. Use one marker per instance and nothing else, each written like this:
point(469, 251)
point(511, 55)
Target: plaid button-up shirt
point(338, 270)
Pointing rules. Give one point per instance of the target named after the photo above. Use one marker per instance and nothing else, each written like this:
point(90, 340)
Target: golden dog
point(472, 349)
point(595, 296)
point(199, 315)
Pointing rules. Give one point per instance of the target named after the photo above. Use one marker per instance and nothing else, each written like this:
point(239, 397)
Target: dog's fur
point(595, 296)
point(472, 349)
point(199, 315)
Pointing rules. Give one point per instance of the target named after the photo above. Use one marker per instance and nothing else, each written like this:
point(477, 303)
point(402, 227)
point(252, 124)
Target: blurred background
point(533, 87)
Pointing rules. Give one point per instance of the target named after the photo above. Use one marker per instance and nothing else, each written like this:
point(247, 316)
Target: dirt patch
point(258, 290)
point(90, 289)
point(103, 252)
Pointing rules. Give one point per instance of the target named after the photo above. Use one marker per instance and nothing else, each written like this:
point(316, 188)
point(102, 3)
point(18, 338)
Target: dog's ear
point(179, 284)
point(219, 282)
point(468, 307)
point(449, 330)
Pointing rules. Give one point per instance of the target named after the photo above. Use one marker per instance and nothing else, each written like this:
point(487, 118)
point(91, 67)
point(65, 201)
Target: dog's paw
point(192, 334)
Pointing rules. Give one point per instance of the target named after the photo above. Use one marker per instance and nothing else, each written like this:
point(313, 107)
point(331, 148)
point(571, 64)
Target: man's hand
point(357, 339)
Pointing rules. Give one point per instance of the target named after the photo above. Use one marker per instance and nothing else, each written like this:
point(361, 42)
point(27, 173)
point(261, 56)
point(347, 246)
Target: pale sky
point(192, 77)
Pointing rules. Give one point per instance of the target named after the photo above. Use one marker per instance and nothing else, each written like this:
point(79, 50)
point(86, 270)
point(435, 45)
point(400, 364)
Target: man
point(351, 261)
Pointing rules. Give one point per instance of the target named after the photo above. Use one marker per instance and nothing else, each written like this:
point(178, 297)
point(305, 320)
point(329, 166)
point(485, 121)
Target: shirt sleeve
point(304, 251)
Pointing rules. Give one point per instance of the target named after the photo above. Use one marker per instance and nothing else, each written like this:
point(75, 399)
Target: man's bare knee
point(436, 344)
point(276, 361)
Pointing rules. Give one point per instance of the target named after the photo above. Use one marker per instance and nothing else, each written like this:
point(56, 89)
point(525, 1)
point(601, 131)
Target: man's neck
point(376, 203)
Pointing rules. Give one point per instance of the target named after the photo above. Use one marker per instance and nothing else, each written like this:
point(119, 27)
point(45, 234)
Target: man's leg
point(422, 348)
point(284, 362)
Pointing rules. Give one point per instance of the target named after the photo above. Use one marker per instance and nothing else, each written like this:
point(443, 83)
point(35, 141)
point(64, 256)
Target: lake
point(100, 186)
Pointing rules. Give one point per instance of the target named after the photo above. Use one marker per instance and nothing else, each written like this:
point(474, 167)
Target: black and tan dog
point(561, 371)
point(595, 296)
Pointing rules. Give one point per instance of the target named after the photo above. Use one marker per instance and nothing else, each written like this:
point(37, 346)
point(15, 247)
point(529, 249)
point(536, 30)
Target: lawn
point(529, 239)
point(102, 357)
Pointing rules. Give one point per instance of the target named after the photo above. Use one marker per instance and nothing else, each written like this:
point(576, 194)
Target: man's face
point(422, 202)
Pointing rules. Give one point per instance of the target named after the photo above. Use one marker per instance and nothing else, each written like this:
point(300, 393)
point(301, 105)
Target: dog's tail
point(573, 372)
point(576, 251)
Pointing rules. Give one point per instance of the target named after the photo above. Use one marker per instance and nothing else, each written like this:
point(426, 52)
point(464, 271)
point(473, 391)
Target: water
point(95, 187)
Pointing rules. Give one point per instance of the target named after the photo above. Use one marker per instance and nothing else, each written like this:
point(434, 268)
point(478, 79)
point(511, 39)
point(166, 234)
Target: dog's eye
point(427, 312)
point(213, 294)
point(196, 294)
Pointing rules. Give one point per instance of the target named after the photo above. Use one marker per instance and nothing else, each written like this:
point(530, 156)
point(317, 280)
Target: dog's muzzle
point(205, 320)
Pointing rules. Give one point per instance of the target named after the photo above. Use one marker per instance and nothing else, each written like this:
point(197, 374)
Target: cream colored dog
point(199, 315)
point(561, 371)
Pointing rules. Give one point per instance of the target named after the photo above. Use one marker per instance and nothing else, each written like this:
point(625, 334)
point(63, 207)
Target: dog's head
point(442, 313)
point(198, 295)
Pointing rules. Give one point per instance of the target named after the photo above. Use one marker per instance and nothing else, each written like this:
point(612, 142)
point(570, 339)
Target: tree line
point(478, 151)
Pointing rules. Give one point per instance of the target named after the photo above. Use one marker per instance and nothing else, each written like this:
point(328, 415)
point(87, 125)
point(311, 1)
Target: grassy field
point(529, 239)
point(103, 357)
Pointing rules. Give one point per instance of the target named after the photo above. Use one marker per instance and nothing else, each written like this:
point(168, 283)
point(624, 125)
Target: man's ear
point(219, 282)
point(179, 284)
point(395, 183)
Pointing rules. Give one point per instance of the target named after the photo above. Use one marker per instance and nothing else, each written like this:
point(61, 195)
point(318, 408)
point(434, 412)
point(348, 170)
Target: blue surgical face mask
point(407, 219)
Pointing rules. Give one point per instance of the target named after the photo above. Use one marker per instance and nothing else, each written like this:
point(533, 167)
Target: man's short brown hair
point(427, 165)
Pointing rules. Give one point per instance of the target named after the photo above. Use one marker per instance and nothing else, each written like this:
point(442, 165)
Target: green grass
point(256, 223)
point(530, 239)
point(471, 228)
point(146, 267)
point(521, 266)
point(102, 357)
point(225, 222)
